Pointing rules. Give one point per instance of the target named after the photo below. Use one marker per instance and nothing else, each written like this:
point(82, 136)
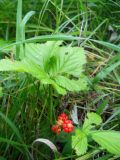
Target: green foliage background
point(25, 103)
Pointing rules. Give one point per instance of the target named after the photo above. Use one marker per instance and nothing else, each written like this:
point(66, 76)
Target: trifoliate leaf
point(109, 140)
point(79, 142)
point(52, 64)
point(57, 60)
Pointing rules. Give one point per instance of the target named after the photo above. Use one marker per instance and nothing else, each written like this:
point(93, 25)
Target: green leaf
point(79, 142)
point(30, 67)
point(72, 60)
point(52, 64)
point(22, 66)
point(20, 146)
point(59, 89)
point(109, 140)
point(55, 37)
point(70, 85)
point(92, 118)
point(57, 60)
point(23, 23)
point(105, 71)
point(102, 106)
point(107, 44)
point(11, 125)
point(41, 54)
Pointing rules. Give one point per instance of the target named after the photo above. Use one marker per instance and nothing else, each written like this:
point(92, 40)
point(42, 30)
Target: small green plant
point(52, 64)
point(107, 139)
point(58, 67)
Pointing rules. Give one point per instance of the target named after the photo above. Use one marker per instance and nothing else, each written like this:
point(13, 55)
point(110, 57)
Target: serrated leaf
point(92, 118)
point(23, 66)
point(109, 140)
point(57, 60)
point(52, 64)
point(30, 67)
point(41, 54)
point(70, 85)
point(79, 142)
point(74, 59)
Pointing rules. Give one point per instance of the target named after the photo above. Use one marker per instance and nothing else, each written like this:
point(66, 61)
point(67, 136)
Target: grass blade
point(18, 27)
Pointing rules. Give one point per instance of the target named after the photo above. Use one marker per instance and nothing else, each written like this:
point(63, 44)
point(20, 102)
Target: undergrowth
point(59, 57)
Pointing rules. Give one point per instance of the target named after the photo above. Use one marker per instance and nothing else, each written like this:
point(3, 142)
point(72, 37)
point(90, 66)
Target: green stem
point(40, 117)
point(51, 102)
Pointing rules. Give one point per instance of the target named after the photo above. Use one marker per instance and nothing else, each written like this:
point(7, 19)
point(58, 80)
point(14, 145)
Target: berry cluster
point(63, 123)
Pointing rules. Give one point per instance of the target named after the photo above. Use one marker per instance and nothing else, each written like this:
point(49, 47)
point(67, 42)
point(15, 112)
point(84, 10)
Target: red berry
point(56, 129)
point(60, 122)
point(64, 123)
point(63, 116)
point(68, 122)
point(68, 126)
point(66, 129)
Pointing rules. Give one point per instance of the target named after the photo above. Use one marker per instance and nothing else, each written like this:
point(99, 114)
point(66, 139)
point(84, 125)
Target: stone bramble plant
point(108, 139)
